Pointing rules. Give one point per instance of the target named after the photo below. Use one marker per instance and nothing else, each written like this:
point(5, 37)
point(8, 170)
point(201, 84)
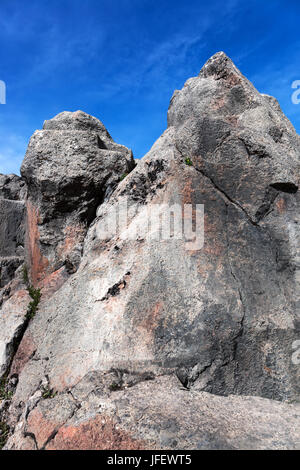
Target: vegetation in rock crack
point(4, 431)
point(123, 176)
point(48, 393)
point(188, 162)
point(114, 387)
point(34, 293)
point(5, 394)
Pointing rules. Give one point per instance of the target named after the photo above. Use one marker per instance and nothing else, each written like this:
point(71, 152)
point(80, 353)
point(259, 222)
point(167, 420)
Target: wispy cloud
point(155, 66)
point(276, 79)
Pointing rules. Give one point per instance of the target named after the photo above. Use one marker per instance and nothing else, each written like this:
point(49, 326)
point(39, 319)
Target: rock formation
point(12, 194)
point(70, 167)
point(147, 342)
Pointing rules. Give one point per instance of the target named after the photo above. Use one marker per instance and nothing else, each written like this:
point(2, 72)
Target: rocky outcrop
point(157, 414)
point(70, 167)
point(13, 298)
point(149, 339)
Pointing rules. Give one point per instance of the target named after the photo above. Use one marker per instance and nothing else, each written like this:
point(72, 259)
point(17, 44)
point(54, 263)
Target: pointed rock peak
point(219, 66)
point(77, 120)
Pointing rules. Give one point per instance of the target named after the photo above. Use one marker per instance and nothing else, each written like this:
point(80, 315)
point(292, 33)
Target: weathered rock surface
point(70, 167)
point(12, 187)
point(13, 298)
point(156, 414)
point(12, 226)
point(222, 317)
point(12, 323)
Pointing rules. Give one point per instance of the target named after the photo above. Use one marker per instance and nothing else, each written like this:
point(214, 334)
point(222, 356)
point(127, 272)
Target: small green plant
point(48, 393)
point(123, 176)
point(188, 162)
point(4, 431)
point(35, 294)
point(114, 387)
point(5, 394)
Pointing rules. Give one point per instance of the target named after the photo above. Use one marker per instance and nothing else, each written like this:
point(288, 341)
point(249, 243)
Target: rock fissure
point(227, 197)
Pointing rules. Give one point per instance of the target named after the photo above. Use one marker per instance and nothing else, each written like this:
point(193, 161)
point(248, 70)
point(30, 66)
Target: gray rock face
point(220, 318)
point(8, 267)
point(11, 227)
point(70, 167)
point(12, 323)
point(12, 233)
point(235, 136)
point(13, 299)
point(12, 187)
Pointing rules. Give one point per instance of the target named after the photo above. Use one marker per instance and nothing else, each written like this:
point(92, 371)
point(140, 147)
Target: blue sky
point(120, 60)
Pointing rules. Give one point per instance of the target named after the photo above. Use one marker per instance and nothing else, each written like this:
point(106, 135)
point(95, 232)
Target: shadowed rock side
point(148, 340)
point(13, 299)
point(12, 215)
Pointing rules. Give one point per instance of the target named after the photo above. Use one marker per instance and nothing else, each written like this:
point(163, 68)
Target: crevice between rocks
point(19, 334)
point(289, 188)
point(227, 198)
point(223, 194)
point(237, 282)
point(32, 436)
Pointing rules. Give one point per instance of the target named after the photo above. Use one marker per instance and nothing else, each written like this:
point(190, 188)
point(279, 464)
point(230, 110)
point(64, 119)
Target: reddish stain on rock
point(150, 321)
point(280, 205)
point(74, 235)
point(53, 282)
point(20, 296)
point(24, 353)
point(233, 120)
point(218, 103)
point(38, 263)
point(100, 433)
point(213, 246)
point(40, 427)
point(187, 191)
point(232, 79)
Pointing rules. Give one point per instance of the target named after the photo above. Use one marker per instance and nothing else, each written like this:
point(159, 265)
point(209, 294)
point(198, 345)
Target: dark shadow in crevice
point(289, 188)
